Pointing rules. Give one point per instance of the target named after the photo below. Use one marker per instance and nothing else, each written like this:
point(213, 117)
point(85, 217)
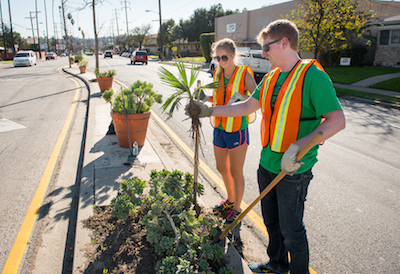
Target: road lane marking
point(17, 251)
point(7, 125)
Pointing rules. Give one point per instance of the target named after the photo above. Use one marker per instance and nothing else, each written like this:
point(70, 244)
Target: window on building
point(389, 37)
point(395, 39)
point(384, 38)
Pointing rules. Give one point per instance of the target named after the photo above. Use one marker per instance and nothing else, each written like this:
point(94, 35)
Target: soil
point(121, 247)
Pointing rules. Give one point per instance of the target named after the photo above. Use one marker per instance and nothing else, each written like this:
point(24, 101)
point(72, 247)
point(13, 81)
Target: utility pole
point(4, 34)
point(116, 21)
point(54, 27)
point(126, 16)
point(33, 32)
point(47, 29)
point(11, 29)
point(37, 26)
point(161, 34)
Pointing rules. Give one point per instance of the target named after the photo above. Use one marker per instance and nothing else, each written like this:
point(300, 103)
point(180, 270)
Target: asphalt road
point(353, 201)
point(34, 104)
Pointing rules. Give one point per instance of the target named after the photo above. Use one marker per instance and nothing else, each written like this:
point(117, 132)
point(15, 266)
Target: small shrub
point(177, 235)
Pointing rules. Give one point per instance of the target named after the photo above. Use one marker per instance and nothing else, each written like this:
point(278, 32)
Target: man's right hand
point(202, 109)
point(200, 95)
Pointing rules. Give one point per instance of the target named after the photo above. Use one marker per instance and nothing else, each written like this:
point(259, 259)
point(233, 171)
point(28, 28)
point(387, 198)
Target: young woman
point(231, 136)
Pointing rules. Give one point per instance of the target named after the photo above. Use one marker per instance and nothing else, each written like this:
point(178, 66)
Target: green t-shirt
point(319, 98)
point(245, 122)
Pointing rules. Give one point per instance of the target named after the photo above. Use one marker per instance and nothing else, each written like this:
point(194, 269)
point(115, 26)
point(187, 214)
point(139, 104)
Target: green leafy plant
point(78, 58)
point(72, 58)
point(178, 237)
point(138, 98)
point(108, 73)
point(183, 87)
point(83, 63)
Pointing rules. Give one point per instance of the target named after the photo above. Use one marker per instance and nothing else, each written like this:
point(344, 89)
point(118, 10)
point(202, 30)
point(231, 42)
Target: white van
point(249, 57)
point(253, 58)
point(24, 58)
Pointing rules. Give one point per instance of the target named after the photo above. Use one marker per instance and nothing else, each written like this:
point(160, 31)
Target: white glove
point(288, 163)
point(198, 108)
point(236, 97)
point(200, 95)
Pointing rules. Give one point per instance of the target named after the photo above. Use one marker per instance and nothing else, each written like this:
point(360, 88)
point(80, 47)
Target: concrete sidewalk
point(103, 170)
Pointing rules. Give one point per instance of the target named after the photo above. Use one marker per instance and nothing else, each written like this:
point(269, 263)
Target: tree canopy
point(330, 25)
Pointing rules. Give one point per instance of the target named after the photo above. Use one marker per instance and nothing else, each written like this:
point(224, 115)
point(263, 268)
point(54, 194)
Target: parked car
point(63, 54)
point(139, 56)
point(213, 66)
point(51, 56)
point(24, 58)
point(108, 54)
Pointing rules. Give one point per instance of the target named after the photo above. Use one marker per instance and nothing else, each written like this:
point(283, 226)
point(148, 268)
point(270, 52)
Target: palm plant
point(182, 85)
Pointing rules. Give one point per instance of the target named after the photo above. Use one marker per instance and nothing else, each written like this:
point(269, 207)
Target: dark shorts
point(230, 140)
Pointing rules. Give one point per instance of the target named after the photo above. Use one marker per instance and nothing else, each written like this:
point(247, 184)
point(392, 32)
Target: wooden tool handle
point(303, 151)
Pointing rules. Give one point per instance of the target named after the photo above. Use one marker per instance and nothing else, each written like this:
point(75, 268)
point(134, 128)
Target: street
point(33, 108)
point(353, 201)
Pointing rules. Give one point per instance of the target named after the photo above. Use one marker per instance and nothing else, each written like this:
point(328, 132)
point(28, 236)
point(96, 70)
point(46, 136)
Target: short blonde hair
point(279, 29)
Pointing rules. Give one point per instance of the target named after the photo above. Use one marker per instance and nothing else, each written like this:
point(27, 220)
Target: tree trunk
point(65, 31)
point(196, 168)
point(96, 39)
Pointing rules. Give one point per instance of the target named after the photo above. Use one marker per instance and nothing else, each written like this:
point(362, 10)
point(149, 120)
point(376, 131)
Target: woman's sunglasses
point(266, 46)
point(223, 58)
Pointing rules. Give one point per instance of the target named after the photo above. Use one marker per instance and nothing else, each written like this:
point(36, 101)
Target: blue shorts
point(230, 140)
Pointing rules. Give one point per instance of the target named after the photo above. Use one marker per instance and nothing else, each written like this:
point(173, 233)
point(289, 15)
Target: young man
point(297, 100)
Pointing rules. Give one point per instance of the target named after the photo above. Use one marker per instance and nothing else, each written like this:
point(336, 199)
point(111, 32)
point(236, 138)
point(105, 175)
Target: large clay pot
point(82, 69)
point(137, 128)
point(105, 83)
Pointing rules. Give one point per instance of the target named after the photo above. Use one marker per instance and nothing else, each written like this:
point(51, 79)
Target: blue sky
point(106, 13)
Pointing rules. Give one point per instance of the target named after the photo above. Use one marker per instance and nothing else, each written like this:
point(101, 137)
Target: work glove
point(200, 95)
point(288, 163)
point(236, 97)
point(202, 109)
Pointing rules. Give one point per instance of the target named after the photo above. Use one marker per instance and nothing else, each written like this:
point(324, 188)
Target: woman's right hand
point(200, 95)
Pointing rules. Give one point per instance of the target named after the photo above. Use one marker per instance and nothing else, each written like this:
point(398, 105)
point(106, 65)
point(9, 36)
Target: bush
point(137, 99)
point(108, 73)
point(206, 40)
point(178, 237)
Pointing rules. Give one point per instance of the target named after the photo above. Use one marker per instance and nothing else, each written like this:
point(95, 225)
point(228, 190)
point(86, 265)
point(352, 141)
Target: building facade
point(244, 27)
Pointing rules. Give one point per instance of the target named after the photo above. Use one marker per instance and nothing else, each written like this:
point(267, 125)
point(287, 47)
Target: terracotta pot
point(105, 83)
point(82, 69)
point(72, 62)
point(137, 128)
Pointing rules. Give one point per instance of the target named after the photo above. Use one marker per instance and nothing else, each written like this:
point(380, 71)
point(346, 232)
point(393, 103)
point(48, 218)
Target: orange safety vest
point(236, 83)
point(281, 127)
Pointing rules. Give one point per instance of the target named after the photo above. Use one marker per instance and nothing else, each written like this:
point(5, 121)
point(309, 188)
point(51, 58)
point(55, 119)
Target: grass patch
point(366, 95)
point(199, 59)
point(6, 62)
point(392, 84)
point(349, 75)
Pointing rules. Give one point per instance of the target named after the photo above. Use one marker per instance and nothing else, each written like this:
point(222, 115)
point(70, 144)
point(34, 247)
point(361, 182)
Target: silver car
point(24, 58)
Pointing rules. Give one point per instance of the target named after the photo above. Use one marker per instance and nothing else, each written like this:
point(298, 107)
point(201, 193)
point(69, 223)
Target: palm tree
point(183, 85)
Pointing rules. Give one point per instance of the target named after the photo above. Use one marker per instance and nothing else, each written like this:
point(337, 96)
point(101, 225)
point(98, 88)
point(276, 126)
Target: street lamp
point(161, 36)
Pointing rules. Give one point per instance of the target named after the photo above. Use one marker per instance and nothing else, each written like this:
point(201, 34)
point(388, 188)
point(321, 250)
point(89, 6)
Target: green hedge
point(206, 40)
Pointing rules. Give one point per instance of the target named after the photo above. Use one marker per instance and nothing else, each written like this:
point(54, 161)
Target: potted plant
point(130, 111)
point(72, 59)
point(183, 87)
point(105, 79)
point(82, 65)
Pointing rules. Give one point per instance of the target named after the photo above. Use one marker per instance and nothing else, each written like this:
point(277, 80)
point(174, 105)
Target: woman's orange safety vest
point(236, 83)
point(281, 127)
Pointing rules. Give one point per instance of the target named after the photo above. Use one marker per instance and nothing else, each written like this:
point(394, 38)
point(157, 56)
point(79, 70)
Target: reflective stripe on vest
point(282, 127)
point(236, 83)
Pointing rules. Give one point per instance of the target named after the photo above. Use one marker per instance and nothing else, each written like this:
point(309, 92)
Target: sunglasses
point(266, 46)
point(223, 58)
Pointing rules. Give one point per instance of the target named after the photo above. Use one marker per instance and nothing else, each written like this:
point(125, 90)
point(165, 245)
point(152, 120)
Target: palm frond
point(194, 73)
point(170, 80)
